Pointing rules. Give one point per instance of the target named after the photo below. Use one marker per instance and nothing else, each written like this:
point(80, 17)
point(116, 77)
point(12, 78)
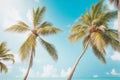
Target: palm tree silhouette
point(93, 28)
point(40, 28)
point(5, 56)
point(117, 4)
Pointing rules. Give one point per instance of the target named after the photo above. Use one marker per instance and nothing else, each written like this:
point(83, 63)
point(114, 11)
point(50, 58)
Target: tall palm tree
point(93, 28)
point(39, 29)
point(5, 56)
point(117, 4)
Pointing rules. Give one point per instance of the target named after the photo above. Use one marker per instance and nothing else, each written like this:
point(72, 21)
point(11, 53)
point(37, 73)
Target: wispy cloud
point(29, 15)
point(32, 73)
point(65, 73)
point(11, 17)
point(49, 71)
point(113, 72)
point(95, 76)
point(110, 6)
point(116, 56)
point(37, 1)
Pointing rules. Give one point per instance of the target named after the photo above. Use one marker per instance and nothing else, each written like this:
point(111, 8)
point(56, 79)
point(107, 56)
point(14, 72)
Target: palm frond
point(8, 57)
point(19, 27)
point(97, 9)
point(98, 41)
point(76, 36)
point(98, 54)
point(85, 40)
point(3, 49)
point(26, 47)
point(78, 28)
point(116, 2)
point(50, 48)
point(107, 17)
point(48, 30)
point(3, 67)
point(38, 15)
point(115, 44)
point(44, 24)
point(113, 33)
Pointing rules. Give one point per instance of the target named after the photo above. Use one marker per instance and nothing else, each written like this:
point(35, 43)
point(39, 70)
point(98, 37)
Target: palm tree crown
point(93, 28)
point(5, 56)
point(39, 29)
point(116, 2)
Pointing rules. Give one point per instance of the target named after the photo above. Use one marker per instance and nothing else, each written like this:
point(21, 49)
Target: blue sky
point(63, 14)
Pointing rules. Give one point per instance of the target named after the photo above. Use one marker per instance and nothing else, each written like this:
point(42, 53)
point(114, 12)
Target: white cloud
point(115, 24)
point(11, 17)
point(37, 1)
point(95, 76)
point(116, 56)
point(65, 73)
point(17, 58)
point(29, 15)
point(110, 6)
point(113, 72)
point(49, 71)
point(32, 73)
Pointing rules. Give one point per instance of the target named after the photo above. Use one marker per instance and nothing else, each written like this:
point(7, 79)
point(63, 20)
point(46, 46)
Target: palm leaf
point(86, 40)
point(27, 45)
point(113, 33)
point(44, 24)
point(97, 9)
point(19, 27)
point(98, 54)
point(50, 48)
point(38, 15)
point(115, 44)
point(76, 36)
point(116, 2)
point(98, 41)
point(48, 30)
point(78, 28)
point(3, 67)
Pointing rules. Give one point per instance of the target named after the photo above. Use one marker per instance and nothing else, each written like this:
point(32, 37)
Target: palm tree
point(93, 28)
point(5, 56)
point(39, 29)
point(117, 4)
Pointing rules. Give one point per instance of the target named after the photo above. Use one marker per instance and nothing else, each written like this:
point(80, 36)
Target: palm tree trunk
point(77, 61)
point(30, 64)
point(119, 19)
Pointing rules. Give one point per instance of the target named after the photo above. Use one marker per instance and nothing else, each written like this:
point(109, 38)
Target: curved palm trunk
point(77, 61)
point(119, 19)
point(30, 64)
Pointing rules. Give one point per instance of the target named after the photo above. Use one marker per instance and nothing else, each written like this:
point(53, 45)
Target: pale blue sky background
point(63, 14)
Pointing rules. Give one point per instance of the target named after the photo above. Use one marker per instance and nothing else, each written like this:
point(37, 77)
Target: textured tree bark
point(30, 64)
point(77, 61)
point(119, 19)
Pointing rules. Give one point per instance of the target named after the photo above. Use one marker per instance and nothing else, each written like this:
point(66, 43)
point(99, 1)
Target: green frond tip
point(38, 15)
point(48, 30)
point(76, 36)
point(50, 48)
point(78, 28)
point(3, 67)
point(99, 55)
point(26, 46)
point(20, 27)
